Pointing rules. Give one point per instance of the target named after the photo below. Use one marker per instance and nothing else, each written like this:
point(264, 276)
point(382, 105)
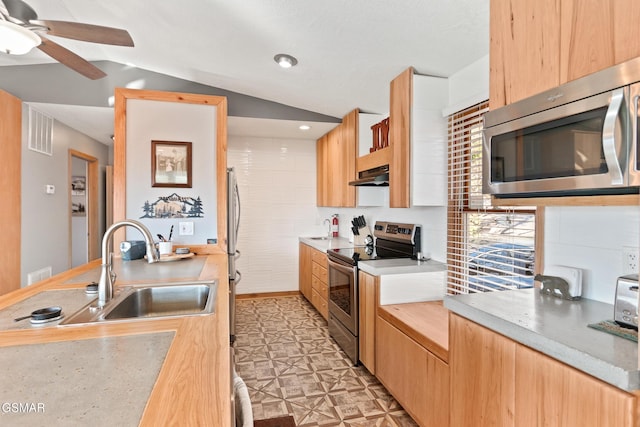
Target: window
point(488, 247)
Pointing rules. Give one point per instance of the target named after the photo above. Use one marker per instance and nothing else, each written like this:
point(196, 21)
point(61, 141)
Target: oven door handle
point(610, 145)
point(341, 267)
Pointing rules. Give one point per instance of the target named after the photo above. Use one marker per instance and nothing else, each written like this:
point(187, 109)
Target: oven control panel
point(396, 231)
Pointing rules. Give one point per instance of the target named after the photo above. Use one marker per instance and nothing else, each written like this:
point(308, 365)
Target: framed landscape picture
point(170, 164)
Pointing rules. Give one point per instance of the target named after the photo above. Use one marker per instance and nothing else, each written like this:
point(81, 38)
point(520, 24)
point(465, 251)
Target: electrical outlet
point(185, 228)
point(630, 260)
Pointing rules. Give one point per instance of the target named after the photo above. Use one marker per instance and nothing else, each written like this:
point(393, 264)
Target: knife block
point(358, 240)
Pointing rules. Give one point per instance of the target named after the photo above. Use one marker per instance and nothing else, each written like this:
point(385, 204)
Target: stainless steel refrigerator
point(233, 225)
point(241, 413)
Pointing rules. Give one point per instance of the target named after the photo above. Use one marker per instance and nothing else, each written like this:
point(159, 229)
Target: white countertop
point(382, 267)
point(322, 244)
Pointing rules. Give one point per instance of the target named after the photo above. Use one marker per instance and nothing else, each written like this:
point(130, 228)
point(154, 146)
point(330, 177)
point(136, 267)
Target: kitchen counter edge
point(200, 349)
point(557, 328)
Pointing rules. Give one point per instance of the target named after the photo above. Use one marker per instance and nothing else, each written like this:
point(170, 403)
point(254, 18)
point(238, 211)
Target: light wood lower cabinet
point(368, 303)
point(304, 270)
point(482, 365)
point(550, 393)
point(415, 377)
point(313, 278)
point(498, 382)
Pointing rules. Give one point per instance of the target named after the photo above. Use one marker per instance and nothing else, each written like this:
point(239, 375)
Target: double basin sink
point(137, 302)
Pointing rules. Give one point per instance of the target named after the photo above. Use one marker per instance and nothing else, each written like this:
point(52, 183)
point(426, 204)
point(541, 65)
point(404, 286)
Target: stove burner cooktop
point(392, 241)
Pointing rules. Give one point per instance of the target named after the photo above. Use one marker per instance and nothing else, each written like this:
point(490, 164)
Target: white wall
point(178, 122)
point(468, 86)
point(592, 238)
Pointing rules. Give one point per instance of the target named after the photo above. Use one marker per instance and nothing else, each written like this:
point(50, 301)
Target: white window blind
point(488, 248)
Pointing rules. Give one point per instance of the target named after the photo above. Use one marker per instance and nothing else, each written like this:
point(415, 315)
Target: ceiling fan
point(18, 19)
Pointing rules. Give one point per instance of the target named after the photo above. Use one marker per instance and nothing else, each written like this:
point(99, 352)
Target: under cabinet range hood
point(376, 177)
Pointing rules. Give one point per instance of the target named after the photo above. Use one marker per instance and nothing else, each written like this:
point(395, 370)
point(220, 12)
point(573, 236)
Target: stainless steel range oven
point(392, 241)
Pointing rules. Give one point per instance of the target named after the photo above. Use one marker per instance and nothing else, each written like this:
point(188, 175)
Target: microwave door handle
point(609, 137)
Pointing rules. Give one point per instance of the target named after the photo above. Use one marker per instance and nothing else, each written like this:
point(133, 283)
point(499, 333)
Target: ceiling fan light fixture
point(285, 61)
point(17, 40)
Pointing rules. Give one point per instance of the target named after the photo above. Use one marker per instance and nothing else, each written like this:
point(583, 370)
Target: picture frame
point(171, 164)
point(78, 185)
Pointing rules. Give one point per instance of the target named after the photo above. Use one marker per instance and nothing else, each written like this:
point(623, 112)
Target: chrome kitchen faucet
point(107, 276)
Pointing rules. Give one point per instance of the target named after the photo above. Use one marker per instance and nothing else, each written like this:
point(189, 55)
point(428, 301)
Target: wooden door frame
point(93, 247)
point(122, 95)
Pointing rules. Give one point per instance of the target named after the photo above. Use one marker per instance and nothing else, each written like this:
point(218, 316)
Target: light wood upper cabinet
point(537, 45)
point(336, 164)
point(524, 49)
point(322, 181)
point(418, 139)
point(401, 100)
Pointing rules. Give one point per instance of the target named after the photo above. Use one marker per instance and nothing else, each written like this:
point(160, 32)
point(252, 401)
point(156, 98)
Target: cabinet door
point(367, 323)
point(482, 365)
point(524, 49)
point(587, 37)
point(401, 100)
point(626, 15)
point(550, 393)
point(336, 164)
point(322, 175)
point(304, 270)
point(415, 377)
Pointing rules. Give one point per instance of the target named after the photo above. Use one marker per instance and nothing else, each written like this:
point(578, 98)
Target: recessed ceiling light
point(304, 127)
point(285, 61)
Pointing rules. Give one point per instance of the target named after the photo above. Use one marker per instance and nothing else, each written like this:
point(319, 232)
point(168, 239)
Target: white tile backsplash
point(277, 190)
point(592, 238)
point(277, 183)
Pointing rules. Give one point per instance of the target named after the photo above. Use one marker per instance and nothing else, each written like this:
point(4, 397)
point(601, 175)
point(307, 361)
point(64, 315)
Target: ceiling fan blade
point(86, 32)
point(20, 10)
point(70, 59)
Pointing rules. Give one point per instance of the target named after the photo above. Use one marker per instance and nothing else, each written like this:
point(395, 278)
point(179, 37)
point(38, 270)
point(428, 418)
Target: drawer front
point(320, 272)
point(320, 258)
point(320, 303)
point(321, 287)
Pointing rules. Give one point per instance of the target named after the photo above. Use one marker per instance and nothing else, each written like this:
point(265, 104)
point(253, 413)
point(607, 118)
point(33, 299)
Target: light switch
point(50, 189)
point(186, 228)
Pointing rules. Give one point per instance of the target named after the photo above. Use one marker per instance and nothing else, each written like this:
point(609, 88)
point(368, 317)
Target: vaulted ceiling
point(348, 52)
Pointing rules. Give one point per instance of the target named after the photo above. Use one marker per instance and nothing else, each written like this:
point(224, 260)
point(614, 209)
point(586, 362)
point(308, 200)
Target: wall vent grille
point(40, 132)
point(38, 275)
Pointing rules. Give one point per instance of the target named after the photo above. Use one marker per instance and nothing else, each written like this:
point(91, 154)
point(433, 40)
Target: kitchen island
point(169, 371)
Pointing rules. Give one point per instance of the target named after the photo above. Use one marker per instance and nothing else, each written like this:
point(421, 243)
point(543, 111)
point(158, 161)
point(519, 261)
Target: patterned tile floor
point(292, 367)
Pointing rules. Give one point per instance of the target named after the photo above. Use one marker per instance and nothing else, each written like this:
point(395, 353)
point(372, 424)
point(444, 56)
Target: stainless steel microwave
point(580, 138)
